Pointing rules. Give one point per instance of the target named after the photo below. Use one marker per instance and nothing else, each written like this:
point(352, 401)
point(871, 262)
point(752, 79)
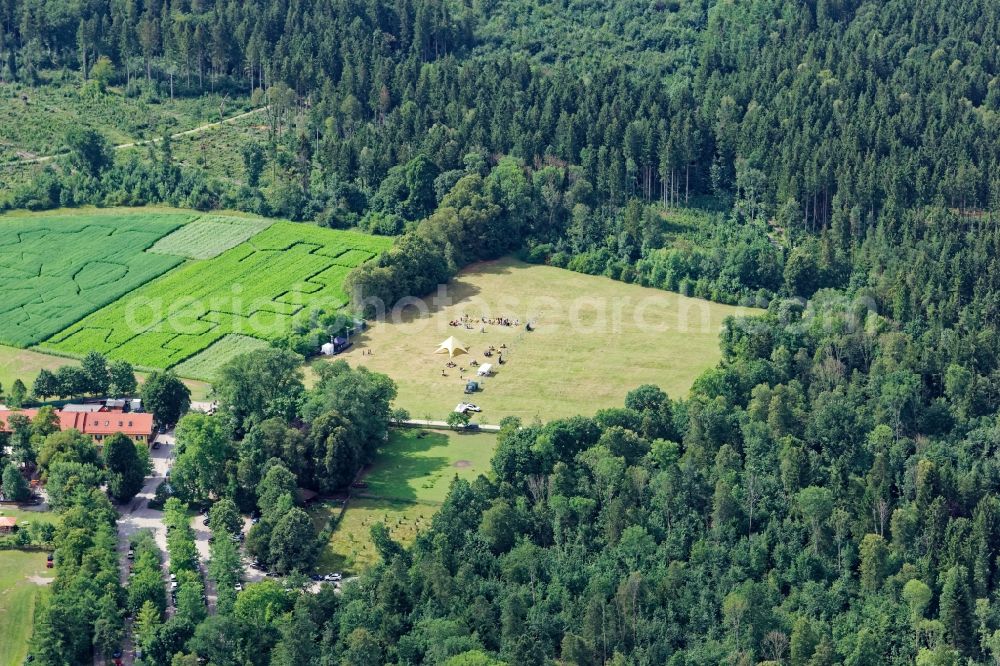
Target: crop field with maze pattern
point(57, 269)
point(252, 289)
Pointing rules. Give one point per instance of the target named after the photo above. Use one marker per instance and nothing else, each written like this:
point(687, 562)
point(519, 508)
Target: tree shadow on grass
point(402, 468)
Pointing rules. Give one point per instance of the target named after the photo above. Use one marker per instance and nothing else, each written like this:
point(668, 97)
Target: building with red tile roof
point(100, 424)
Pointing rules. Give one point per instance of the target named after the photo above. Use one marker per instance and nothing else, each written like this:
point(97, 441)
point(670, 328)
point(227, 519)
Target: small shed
point(7, 524)
point(485, 370)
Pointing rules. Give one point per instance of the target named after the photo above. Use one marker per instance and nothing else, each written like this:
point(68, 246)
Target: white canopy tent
point(452, 347)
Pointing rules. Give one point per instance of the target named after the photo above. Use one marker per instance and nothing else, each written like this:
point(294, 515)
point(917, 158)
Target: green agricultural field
point(56, 269)
point(595, 339)
point(253, 289)
point(419, 465)
point(210, 236)
point(22, 579)
point(205, 364)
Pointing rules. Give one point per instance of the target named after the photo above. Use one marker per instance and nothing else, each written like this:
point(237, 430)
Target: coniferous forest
point(828, 494)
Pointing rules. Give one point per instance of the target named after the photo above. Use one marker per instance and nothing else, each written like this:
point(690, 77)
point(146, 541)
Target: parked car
point(332, 577)
point(239, 587)
point(156, 444)
point(205, 522)
point(131, 554)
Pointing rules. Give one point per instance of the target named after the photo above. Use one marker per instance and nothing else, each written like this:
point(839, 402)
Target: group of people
point(484, 321)
point(489, 353)
point(494, 350)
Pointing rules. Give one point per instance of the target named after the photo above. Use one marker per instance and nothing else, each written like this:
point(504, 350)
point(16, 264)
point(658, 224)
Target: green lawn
point(595, 339)
point(407, 482)
point(56, 269)
point(29, 515)
point(253, 289)
point(419, 465)
point(19, 590)
point(350, 549)
point(24, 364)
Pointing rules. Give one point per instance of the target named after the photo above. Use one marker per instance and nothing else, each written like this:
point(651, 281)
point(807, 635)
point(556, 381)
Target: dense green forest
point(829, 494)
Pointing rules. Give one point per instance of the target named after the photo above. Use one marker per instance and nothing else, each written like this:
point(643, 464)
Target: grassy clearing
point(24, 364)
point(29, 515)
point(56, 269)
point(419, 465)
point(210, 236)
point(205, 364)
point(350, 549)
point(594, 340)
point(18, 595)
point(407, 482)
point(217, 152)
point(253, 289)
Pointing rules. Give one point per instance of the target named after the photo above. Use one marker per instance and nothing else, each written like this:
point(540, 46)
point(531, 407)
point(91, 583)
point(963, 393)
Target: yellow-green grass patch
point(205, 364)
point(25, 364)
point(595, 339)
point(21, 583)
point(210, 235)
